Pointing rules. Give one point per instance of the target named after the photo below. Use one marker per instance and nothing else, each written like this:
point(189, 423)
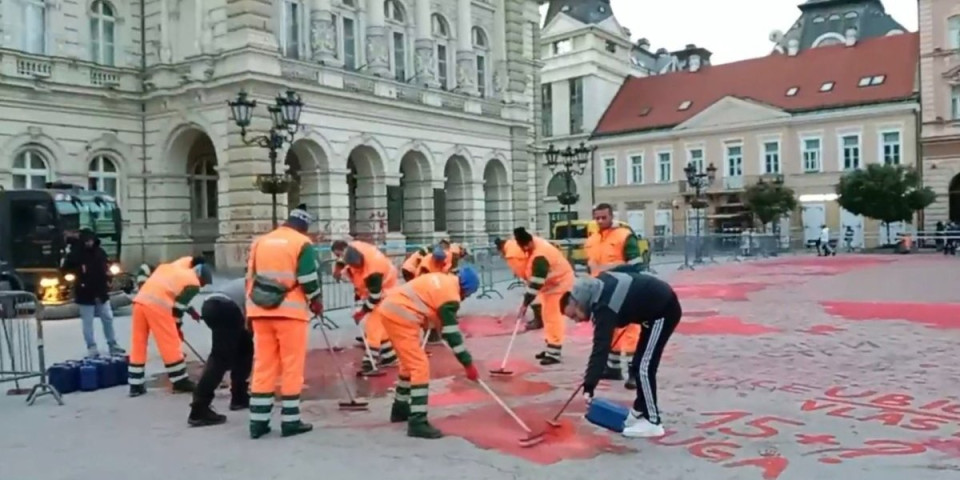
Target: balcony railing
point(65, 71)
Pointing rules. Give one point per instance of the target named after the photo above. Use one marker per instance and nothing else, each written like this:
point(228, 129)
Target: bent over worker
point(549, 275)
point(144, 272)
point(168, 295)
point(283, 290)
point(411, 266)
point(614, 300)
point(429, 301)
point(372, 274)
point(612, 247)
point(516, 260)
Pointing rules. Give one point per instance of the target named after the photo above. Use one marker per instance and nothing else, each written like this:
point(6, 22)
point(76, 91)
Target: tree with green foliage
point(889, 193)
point(768, 201)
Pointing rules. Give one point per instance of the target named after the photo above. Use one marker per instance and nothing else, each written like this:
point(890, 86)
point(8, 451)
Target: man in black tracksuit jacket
point(615, 299)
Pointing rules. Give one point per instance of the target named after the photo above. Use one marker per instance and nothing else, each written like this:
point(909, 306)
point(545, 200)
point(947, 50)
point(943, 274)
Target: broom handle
point(366, 346)
point(575, 392)
point(506, 356)
point(333, 353)
point(503, 405)
point(194, 350)
point(426, 335)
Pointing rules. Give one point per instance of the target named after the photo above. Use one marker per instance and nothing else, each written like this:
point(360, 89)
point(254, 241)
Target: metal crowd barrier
point(21, 346)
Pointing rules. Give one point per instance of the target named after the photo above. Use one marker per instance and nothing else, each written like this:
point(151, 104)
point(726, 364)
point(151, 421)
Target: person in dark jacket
point(224, 311)
point(90, 267)
point(614, 299)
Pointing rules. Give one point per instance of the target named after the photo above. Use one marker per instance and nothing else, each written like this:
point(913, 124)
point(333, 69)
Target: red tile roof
point(767, 79)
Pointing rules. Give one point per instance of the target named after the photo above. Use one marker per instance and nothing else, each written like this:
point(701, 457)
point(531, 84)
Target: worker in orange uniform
point(411, 266)
point(549, 275)
point(283, 293)
point(143, 273)
point(615, 247)
point(516, 260)
point(168, 295)
point(457, 253)
point(430, 301)
point(372, 274)
point(439, 261)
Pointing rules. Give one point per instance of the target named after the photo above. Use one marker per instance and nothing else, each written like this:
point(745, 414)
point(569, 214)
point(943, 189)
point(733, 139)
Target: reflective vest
point(515, 257)
point(432, 266)
point(184, 262)
point(605, 249)
point(420, 299)
point(412, 263)
point(276, 256)
point(560, 277)
point(374, 261)
point(161, 290)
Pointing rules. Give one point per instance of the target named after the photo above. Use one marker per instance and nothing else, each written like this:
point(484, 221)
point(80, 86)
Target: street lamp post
point(570, 161)
point(285, 115)
point(700, 181)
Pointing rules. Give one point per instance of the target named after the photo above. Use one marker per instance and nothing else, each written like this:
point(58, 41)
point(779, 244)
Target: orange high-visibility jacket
point(515, 257)
point(412, 263)
point(560, 274)
point(183, 262)
point(170, 290)
point(374, 262)
point(429, 265)
point(276, 255)
point(605, 249)
point(420, 299)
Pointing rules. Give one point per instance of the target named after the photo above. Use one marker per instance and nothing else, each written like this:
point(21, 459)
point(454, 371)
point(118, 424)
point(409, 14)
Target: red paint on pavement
point(700, 313)
point(822, 329)
point(946, 446)
point(836, 264)
point(487, 325)
point(933, 315)
point(462, 391)
point(490, 428)
point(719, 291)
point(723, 325)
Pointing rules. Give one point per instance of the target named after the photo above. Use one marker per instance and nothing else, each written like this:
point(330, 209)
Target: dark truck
point(39, 227)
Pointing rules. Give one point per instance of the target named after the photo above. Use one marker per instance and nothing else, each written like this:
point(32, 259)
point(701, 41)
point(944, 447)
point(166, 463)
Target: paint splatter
point(490, 428)
point(946, 446)
point(724, 325)
point(822, 329)
point(462, 391)
point(719, 291)
point(933, 315)
point(487, 325)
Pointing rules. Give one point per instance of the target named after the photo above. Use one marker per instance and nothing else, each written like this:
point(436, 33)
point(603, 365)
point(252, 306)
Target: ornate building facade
point(417, 121)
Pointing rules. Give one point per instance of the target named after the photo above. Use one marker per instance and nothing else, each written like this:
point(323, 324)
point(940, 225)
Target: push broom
point(376, 372)
point(502, 371)
point(532, 438)
point(555, 421)
point(354, 404)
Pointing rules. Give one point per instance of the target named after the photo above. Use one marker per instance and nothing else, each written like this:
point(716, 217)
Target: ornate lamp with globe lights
point(699, 181)
point(570, 162)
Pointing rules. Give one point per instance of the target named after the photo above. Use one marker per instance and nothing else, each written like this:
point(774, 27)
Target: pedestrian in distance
point(615, 299)
point(224, 311)
point(90, 268)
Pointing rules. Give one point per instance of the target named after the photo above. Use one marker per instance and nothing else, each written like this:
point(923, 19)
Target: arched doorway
point(954, 192)
point(417, 196)
point(305, 163)
point(457, 178)
point(204, 193)
point(496, 198)
point(367, 195)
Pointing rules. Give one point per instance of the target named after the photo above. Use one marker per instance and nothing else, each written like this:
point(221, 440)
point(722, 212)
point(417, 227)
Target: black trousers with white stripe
point(646, 360)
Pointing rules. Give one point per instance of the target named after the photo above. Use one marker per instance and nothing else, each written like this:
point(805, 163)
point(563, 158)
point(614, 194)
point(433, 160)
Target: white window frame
point(397, 28)
point(728, 159)
point(842, 148)
point(701, 163)
point(28, 36)
point(634, 178)
point(804, 153)
point(953, 33)
point(764, 163)
point(661, 178)
point(101, 52)
point(609, 165)
point(27, 172)
point(200, 208)
point(882, 145)
point(302, 51)
point(441, 39)
point(342, 40)
point(955, 102)
point(481, 47)
point(97, 175)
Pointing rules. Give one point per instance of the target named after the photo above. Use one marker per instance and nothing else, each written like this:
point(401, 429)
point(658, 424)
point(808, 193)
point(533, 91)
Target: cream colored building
point(940, 93)
point(417, 123)
point(791, 116)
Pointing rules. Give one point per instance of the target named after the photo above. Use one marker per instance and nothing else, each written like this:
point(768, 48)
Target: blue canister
point(88, 377)
point(73, 375)
point(607, 414)
point(106, 375)
point(120, 367)
point(59, 377)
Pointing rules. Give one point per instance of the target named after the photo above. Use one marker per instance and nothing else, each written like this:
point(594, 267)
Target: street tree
point(888, 193)
point(769, 201)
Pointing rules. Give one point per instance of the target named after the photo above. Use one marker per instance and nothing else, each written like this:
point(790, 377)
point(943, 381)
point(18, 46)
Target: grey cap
point(585, 291)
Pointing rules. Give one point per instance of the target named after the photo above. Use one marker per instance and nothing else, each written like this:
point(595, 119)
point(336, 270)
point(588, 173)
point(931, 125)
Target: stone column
point(499, 46)
point(166, 53)
point(466, 57)
point(338, 208)
point(323, 33)
point(248, 24)
point(476, 227)
point(425, 63)
point(378, 62)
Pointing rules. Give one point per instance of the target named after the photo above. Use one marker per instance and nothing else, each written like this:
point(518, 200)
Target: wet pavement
point(797, 368)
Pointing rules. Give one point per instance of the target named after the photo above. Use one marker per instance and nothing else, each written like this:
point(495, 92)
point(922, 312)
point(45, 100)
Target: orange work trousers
point(628, 337)
point(554, 323)
point(279, 353)
point(405, 336)
point(148, 319)
point(374, 332)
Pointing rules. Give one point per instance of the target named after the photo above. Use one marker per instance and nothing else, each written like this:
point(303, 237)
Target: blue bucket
point(88, 377)
point(59, 377)
point(106, 375)
point(73, 375)
point(607, 414)
point(120, 369)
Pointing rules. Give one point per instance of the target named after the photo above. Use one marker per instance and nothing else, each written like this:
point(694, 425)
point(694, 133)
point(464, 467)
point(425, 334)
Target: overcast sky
point(732, 30)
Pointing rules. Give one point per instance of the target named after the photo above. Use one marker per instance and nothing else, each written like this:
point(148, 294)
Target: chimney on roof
point(851, 36)
point(643, 43)
point(694, 62)
point(793, 47)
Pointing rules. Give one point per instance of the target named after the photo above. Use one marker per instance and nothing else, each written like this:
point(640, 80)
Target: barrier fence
point(21, 346)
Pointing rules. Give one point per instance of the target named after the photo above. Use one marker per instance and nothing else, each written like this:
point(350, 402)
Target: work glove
point(471, 372)
point(358, 315)
point(316, 306)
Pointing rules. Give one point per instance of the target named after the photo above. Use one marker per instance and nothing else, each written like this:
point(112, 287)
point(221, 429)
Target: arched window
point(828, 39)
point(102, 23)
point(396, 18)
point(481, 46)
point(441, 35)
point(30, 170)
point(293, 34)
point(204, 180)
point(103, 176)
point(33, 37)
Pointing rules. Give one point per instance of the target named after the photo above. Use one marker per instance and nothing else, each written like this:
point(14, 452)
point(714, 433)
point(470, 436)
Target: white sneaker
point(642, 428)
point(632, 418)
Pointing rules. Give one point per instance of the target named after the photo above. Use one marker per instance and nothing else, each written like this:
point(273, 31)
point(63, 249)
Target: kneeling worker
point(407, 310)
point(615, 299)
point(224, 311)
